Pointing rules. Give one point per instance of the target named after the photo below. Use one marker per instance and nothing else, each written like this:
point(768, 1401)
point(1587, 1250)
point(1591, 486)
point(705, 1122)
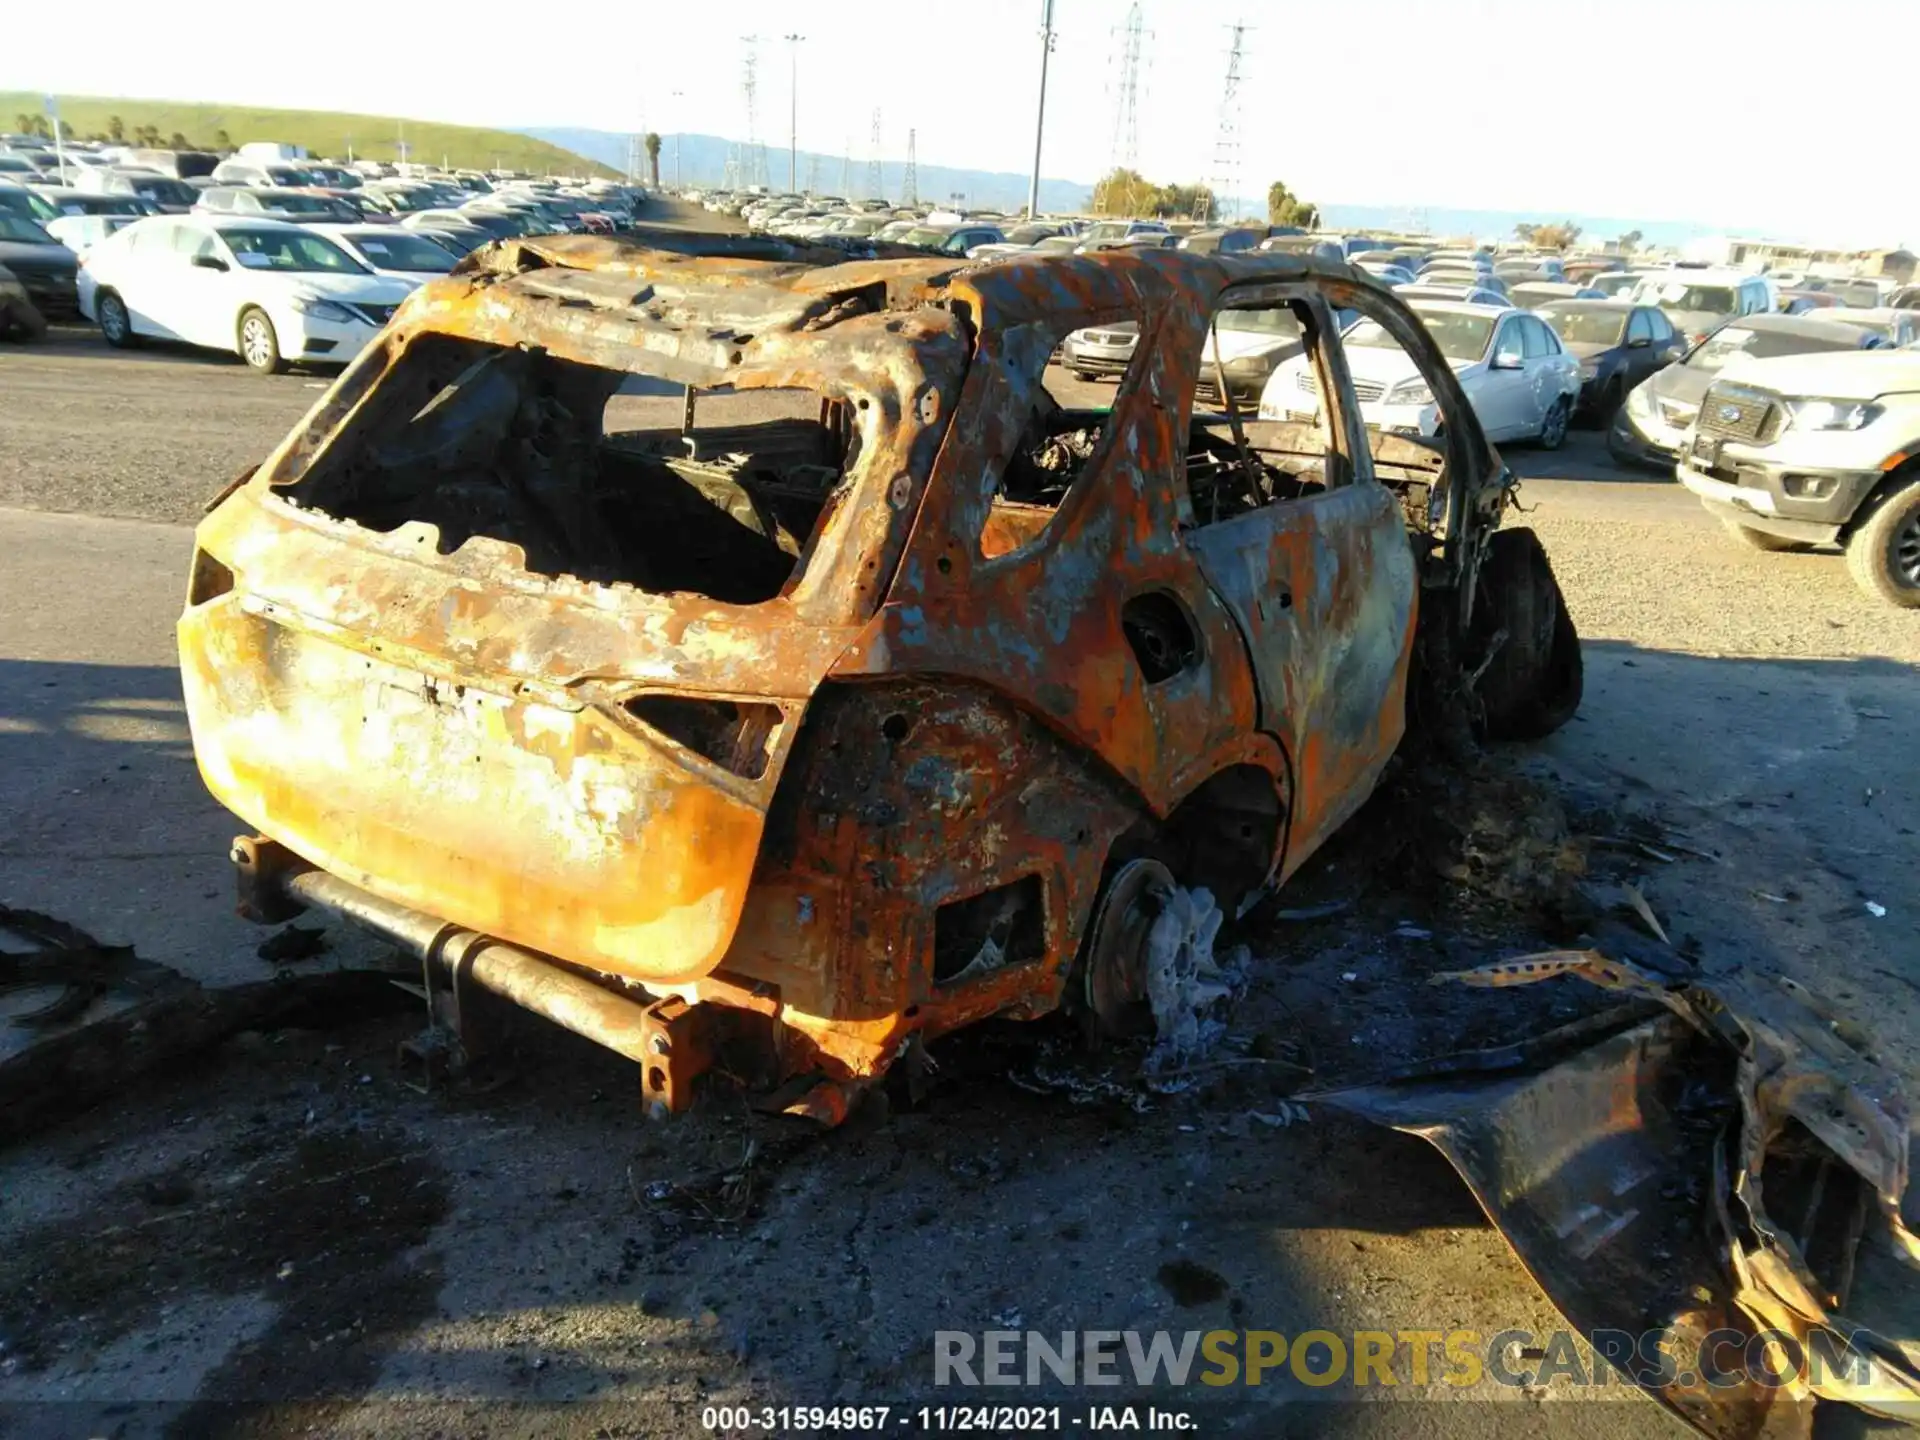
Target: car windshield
point(18, 227)
point(493, 222)
point(1108, 230)
point(404, 200)
point(1689, 299)
point(1460, 337)
point(455, 242)
point(1586, 327)
point(1732, 340)
point(166, 192)
point(26, 204)
point(1614, 284)
point(401, 250)
point(291, 175)
point(1865, 296)
point(1275, 321)
point(299, 204)
point(926, 235)
point(288, 250)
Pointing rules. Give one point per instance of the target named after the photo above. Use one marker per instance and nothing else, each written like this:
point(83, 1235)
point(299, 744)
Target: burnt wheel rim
point(1906, 551)
point(256, 341)
point(1115, 979)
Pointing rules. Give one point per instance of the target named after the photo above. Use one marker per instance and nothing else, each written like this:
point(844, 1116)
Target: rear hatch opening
point(595, 473)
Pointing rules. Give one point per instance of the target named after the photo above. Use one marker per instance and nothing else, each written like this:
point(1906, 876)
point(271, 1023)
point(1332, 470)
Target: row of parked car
point(385, 228)
point(1794, 428)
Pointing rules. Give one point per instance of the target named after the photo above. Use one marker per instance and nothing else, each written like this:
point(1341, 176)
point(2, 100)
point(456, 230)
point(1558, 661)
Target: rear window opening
point(595, 473)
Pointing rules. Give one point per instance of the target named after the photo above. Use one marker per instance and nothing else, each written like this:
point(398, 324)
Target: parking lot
point(290, 1220)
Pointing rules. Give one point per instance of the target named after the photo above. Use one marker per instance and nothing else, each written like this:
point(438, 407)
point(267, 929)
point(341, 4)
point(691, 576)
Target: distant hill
point(703, 161)
point(1498, 224)
point(323, 133)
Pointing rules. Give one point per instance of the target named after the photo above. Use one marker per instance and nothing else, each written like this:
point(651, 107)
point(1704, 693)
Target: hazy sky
point(1670, 109)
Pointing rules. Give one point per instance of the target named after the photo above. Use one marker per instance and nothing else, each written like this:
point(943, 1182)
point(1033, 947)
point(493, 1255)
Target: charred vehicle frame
point(780, 748)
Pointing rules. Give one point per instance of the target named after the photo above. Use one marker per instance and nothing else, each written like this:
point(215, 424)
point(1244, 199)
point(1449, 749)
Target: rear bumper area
point(554, 824)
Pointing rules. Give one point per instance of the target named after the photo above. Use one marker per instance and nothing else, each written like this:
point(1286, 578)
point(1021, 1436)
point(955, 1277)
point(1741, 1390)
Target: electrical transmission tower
point(876, 187)
point(1224, 182)
point(753, 159)
point(1124, 152)
point(910, 182)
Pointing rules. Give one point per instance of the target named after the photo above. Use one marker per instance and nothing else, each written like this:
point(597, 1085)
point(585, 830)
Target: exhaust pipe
point(275, 884)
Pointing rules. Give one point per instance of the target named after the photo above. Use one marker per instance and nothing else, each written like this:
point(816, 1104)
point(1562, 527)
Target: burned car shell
point(947, 729)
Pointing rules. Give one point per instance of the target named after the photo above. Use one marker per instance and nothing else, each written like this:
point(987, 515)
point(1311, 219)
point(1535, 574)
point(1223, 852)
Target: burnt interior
point(990, 931)
point(512, 444)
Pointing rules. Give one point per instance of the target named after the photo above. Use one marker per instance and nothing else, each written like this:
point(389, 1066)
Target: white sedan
point(1521, 381)
point(266, 290)
point(389, 251)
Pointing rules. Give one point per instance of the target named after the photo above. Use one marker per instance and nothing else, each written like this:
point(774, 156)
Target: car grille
point(376, 314)
point(1733, 412)
point(1110, 337)
point(1362, 389)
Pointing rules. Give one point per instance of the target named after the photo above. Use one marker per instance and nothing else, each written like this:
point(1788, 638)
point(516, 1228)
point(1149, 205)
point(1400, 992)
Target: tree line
point(1122, 191)
point(147, 137)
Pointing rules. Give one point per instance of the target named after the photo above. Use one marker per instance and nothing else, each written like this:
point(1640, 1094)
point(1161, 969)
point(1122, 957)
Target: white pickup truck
point(1813, 450)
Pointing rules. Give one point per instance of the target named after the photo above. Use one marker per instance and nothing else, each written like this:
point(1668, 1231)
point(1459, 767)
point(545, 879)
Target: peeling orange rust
point(827, 727)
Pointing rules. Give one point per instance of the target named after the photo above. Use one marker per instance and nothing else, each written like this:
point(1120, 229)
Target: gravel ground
point(152, 434)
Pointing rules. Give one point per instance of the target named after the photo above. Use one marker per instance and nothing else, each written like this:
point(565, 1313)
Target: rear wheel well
point(1226, 834)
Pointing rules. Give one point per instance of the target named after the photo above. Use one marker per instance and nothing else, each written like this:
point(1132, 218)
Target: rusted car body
point(826, 733)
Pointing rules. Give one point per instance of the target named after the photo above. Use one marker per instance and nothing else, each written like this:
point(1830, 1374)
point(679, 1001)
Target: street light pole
point(1040, 111)
point(793, 109)
point(679, 125)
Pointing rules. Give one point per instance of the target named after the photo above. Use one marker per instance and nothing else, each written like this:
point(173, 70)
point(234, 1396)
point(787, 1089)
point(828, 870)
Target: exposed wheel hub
point(1117, 947)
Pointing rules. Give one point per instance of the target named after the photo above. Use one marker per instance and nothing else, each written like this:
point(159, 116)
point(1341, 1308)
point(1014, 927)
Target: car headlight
point(1250, 365)
point(1409, 392)
point(1816, 414)
point(322, 309)
point(1640, 402)
point(1589, 369)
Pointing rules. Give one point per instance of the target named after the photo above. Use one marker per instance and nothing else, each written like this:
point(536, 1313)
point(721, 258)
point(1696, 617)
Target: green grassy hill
point(325, 134)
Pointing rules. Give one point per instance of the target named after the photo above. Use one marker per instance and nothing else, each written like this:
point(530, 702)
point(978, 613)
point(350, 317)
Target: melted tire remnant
point(1533, 677)
point(1186, 987)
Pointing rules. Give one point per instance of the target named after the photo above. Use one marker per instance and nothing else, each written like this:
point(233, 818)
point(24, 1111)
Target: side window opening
point(1411, 447)
point(1070, 415)
point(593, 473)
point(1259, 360)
